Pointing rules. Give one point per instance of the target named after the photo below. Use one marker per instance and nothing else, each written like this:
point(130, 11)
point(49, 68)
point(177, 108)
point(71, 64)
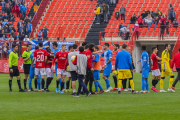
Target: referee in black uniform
point(13, 68)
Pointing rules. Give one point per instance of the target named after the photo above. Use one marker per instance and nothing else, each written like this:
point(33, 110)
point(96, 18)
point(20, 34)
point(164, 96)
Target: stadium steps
point(93, 34)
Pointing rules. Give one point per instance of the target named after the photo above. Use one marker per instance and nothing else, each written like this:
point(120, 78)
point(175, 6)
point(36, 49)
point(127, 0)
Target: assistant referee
point(27, 64)
point(13, 68)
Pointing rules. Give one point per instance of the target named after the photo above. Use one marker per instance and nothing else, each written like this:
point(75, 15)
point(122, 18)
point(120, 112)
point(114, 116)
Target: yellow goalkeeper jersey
point(165, 60)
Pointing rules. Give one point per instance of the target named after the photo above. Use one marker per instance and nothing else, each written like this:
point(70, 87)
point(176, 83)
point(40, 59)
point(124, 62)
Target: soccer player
point(155, 69)
point(125, 67)
point(13, 68)
point(96, 67)
point(144, 70)
point(107, 54)
point(166, 70)
point(41, 57)
point(176, 61)
point(27, 64)
point(49, 71)
point(116, 48)
point(61, 57)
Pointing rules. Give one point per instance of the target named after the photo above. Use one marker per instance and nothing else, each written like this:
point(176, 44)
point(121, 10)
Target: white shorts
point(41, 70)
point(68, 74)
point(49, 73)
point(156, 72)
point(61, 71)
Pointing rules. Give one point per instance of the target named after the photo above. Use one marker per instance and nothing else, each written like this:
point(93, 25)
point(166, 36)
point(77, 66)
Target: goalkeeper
point(166, 70)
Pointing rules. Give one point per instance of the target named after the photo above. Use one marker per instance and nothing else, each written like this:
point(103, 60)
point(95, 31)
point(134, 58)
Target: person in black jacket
point(133, 19)
point(143, 15)
point(162, 28)
point(8, 9)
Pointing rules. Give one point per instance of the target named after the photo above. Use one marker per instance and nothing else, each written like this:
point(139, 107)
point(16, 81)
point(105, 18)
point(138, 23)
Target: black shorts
point(15, 71)
point(26, 68)
point(89, 75)
point(73, 75)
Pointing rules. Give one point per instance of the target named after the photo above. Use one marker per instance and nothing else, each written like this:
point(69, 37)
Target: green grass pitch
point(106, 106)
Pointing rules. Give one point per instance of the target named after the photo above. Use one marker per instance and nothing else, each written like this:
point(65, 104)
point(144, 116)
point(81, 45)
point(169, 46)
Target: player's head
point(96, 48)
point(37, 47)
point(15, 47)
point(91, 47)
point(70, 48)
point(154, 49)
point(75, 46)
point(124, 46)
point(48, 49)
point(40, 44)
point(63, 47)
point(28, 47)
point(116, 47)
point(81, 49)
point(143, 48)
point(86, 47)
point(129, 49)
point(84, 44)
point(106, 46)
point(168, 46)
point(54, 45)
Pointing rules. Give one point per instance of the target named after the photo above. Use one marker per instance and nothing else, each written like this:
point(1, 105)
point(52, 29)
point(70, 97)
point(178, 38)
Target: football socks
point(19, 84)
point(35, 82)
point(115, 81)
point(29, 83)
point(131, 84)
point(10, 84)
point(25, 81)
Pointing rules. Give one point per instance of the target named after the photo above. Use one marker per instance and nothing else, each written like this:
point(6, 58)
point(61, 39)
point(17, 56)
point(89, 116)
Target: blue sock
point(99, 85)
point(96, 86)
point(60, 82)
point(107, 85)
point(30, 81)
point(147, 85)
point(39, 83)
point(143, 84)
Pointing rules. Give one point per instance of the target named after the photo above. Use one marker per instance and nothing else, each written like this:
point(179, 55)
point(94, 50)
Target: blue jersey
point(145, 60)
point(107, 55)
point(31, 56)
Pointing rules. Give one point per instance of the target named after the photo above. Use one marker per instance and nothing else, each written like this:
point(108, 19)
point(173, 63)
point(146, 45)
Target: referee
point(27, 64)
point(13, 68)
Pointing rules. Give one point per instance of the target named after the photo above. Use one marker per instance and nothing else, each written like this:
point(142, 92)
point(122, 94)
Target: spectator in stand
point(3, 6)
point(5, 22)
point(122, 31)
point(10, 40)
point(19, 24)
point(156, 14)
point(140, 21)
point(23, 11)
point(167, 27)
point(113, 2)
point(26, 38)
point(2, 33)
point(45, 32)
point(143, 15)
point(37, 2)
point(148, 21)
point(21, 28)
point(11, 18)
point(26, 20)
point(117, 14)
point(0, 28)
point(8, 9)
point(6, 28)
point(106, 9)
point(3, 37)
point(1, 16)
point(40, 34)
point(163, 18)
point(21, 35)
point(172, 15)
point(29, 28)
point(30, 18)
point(136, 29)
point(100, 3)
point(35, 8)
point(16, 10)
point(17, 36)
point(133, 19)
point(97, 12)
point(5, 16)
point(11, 28)
point(122, 11)
point(13, 34)
point(156, 22)
point(162, 28)
point(175, 23)
point(159, 12)
point(102, 15)
point(120, 26)
point(170, 8)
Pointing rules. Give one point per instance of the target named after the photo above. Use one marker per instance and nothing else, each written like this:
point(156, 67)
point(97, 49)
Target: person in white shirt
point(26, 38)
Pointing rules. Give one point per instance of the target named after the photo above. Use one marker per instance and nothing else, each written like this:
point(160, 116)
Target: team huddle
point(83, 64)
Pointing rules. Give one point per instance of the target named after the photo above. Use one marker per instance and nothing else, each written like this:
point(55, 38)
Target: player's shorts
point(167, 73)
point(31, 73)
point(49, 73)
point(124, 74)
point(68, 74)
point(41, 70)
point(145, 73)
point(73, 75)
point(26, 68)
point(15, 71)
point(61, 71)
point(107, 71)
point(156, 72)
point(96, 75)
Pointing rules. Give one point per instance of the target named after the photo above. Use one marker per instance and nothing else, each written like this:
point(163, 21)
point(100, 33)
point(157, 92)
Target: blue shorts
point(107, 71)
point(73, 75)
point(31, 72)
point(145, 73)
point(96, 74)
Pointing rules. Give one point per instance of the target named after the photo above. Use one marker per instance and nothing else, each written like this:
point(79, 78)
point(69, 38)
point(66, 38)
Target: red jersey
point(49, 58)
point(88, 53)
point(154, 62)
point(40, 55)
point(176, 61)
point(61, 57)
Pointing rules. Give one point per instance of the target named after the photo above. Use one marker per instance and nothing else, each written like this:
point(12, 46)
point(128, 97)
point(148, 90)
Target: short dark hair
point(91, 45)
point(166, 45)
point(81, 49)
point(86, 46)
point(70, 47)
point(37, 47)
point(96, 47)
point(143, 47)
point(179, 49)
point(55, 44)
point(28, 45)
point(40, 44)
point(106, 44)
point(154, 48)
point(84, 43)
point(75, 46)
point(14, 45)
point(124, 46)
point(117, 45)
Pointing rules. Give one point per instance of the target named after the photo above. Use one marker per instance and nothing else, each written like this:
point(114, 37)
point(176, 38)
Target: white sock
point(81, 89)
point(74, 91)
point(119, 89)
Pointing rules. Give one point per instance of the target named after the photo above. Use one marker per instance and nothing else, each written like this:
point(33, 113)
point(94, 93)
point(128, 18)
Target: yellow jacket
point(165, 60)
point(35, 8)
point(98, 11)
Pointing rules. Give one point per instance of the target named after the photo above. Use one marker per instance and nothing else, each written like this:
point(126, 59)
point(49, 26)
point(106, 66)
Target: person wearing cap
point(26, 38)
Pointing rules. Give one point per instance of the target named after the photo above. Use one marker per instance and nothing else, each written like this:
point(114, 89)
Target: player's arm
point(96, 59)
point(49, 61)
point(75, 61)
point(158, 58)
point(33, 61)
point(10, 64)
point(164, 60)
point(102, 55)
point(24, 57)
point(130, 62)
point(55, 57)
point(173, 61)
point(100, 51)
